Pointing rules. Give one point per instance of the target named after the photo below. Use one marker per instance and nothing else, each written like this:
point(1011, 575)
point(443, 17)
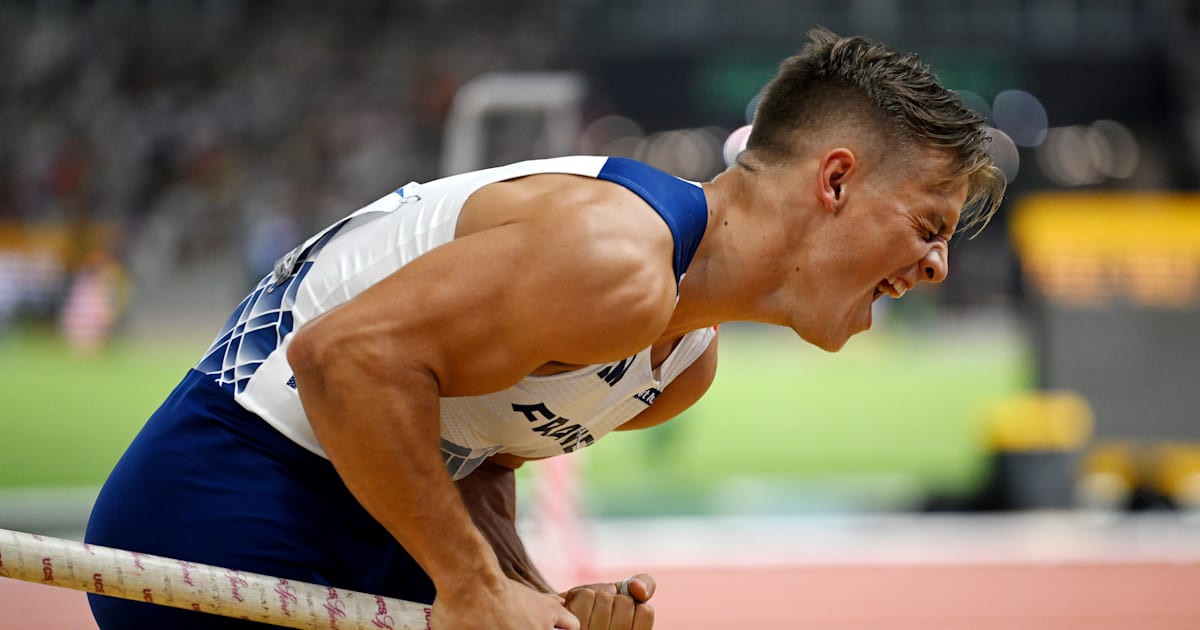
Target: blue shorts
point(207, 481)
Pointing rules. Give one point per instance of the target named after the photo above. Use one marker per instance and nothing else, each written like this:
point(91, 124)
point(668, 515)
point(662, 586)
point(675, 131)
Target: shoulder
point(602, 221)
point(596, 242)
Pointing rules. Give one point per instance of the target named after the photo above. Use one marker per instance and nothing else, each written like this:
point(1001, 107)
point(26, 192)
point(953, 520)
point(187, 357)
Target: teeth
point(898, 288)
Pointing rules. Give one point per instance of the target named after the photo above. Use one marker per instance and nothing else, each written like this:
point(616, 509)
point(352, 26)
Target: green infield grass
point(891, 417)
point(66, 417)
point(785, 427)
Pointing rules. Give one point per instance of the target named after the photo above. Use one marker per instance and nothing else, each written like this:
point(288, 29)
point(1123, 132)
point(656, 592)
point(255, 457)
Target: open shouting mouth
point(893, 286)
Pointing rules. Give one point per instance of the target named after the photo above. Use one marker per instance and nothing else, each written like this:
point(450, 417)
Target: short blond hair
point(896, 95)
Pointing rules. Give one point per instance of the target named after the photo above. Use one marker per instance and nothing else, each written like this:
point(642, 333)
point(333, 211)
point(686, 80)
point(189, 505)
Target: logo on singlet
point(649, 395)
point(569, 434)
point(612, 374)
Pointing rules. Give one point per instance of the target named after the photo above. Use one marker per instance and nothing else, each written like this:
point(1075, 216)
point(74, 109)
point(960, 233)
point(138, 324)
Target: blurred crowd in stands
point(161, 136)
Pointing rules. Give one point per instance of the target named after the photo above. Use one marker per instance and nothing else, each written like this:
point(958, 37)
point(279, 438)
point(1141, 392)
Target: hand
point(604, 607)
point(510, 606)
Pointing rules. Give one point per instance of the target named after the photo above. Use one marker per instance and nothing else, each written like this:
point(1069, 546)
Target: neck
point(730, 278)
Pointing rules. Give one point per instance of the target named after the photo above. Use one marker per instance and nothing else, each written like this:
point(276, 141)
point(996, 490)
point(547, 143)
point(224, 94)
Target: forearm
point(383, 439)
point(490, 496)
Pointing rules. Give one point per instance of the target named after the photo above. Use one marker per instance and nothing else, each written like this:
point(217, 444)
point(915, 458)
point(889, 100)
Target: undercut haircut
point(837, 79)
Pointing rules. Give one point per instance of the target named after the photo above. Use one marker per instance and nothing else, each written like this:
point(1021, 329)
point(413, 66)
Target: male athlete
point(358, 419)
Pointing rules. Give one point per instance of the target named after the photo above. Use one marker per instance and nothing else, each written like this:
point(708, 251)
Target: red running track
point(1092, 596)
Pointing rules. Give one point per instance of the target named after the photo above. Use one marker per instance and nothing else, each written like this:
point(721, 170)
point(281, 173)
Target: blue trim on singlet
point(680, 203)
point(254, 330)
point(259, 324)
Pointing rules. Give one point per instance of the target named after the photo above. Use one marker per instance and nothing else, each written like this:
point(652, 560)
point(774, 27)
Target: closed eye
point(935, 228)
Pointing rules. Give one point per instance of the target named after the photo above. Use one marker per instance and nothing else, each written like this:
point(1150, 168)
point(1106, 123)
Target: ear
point(837, 167)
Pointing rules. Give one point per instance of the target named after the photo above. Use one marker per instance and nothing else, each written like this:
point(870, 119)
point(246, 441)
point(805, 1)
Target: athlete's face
point(886, 230)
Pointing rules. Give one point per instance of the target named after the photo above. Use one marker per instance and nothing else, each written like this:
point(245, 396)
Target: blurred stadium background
point(1037, 408)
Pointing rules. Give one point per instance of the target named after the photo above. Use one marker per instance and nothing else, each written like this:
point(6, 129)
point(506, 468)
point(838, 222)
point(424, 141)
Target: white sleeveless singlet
point(540, 416)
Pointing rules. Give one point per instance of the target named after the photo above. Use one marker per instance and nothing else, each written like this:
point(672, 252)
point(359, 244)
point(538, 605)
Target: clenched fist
point(608, 606)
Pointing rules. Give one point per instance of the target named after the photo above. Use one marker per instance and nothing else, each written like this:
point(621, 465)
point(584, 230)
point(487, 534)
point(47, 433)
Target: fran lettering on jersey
point(570, 435)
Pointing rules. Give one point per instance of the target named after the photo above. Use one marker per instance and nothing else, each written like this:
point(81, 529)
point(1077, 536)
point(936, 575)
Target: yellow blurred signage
point(1092, 250)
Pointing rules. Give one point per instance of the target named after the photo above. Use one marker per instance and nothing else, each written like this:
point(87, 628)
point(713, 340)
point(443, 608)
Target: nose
point(936, 264)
